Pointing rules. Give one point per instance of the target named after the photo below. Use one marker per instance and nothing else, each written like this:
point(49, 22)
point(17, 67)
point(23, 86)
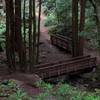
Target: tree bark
point(97, 2)
point(24, 31)
point(8, 55)
point(18, 35)
point(34, 33)
point(96, 5)
point(30, 35)
point(38, 37)
point(75, 51)
point(12, 33)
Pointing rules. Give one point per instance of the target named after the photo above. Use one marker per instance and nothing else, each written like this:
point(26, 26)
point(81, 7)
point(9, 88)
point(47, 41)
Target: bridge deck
point(66, 66)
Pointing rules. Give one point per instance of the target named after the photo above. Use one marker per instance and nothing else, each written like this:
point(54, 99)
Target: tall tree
point(8, 53)
point(81, 26)
point(82, 14)
point(30, 35)
point(34, 32)
point(12, 32)
point(96, 5)
point(18, 34)
point(15, 42)
point(75, 51)
point(97, 9)
point(38, 37)
point(24, 30)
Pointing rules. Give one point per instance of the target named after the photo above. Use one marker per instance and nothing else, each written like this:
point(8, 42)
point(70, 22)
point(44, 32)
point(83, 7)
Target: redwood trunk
point(75, 28)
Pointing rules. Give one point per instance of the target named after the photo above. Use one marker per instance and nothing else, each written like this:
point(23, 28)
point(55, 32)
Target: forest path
point(45, 38)
point(48, 52)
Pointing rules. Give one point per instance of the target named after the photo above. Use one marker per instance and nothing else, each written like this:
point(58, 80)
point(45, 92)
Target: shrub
point(50, 20)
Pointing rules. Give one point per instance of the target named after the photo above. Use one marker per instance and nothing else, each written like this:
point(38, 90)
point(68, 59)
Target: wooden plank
point(65, 43)
point(62, 61)
point(68, 67)
point(62, 42)
point(65, 69)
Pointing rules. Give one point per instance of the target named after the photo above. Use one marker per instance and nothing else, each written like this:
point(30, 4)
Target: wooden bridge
point(65, 43)
point(71, 66)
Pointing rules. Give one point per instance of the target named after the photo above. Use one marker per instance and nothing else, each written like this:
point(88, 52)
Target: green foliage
point(2, 33)
point(58, 11)
point(63, 11)
point(67, 92)
point(43, 96)
point(43, 85)
point(46, 87)
point(53, 30)
point(50, 20)
point(2, 27)
point(2, 13)
point(19, 95)
point(11, 91)
point(60, 29)
point(49, 6)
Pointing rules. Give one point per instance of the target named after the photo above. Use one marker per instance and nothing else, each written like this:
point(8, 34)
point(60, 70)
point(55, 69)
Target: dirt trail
point(48, 52)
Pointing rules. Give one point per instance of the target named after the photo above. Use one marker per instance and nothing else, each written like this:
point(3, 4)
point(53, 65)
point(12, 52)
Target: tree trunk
point(34, 33)
point(98, 19)
point(24, 30)
point(8, 55)
point(18, 35)
point(75, 51)
point(38, 38)
point(30, 35)
point(96, 5)
point(12, 33)
point(81, 27)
